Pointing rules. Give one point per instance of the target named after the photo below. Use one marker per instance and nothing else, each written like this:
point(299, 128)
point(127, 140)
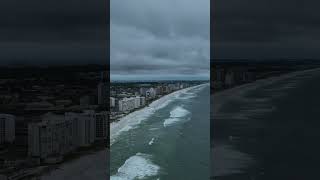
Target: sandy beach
point(91, 166)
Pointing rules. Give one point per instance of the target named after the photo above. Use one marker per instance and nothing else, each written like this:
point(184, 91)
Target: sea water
point(172, 142)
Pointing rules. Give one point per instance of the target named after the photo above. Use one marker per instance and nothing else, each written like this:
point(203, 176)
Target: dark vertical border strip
point(211, 84)
point(108, 82)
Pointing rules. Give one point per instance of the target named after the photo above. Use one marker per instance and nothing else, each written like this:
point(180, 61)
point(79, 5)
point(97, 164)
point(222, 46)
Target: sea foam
point(138, 166)
point(151, 142)
point(178, 112)
point(176, 115)
point(135, 118)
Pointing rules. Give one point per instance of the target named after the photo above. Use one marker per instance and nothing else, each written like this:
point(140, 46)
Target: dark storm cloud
point(266, 29)
point(168, 37)
point(47, 32)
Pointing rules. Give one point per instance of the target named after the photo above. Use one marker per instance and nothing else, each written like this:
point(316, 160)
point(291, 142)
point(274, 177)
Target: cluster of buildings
point(7, 128)
point(228, 76)
point(59, 134)
point(128, 104)
point(126, 98)
point(46, 120)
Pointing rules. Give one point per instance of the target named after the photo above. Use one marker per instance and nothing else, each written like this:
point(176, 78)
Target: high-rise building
point(104, 76)
point(136, 102)
point(128, 104)
point(142, 101)
point(101, 125)
point(102, 93)
point(103, 89)
point(7, 128)
point(229, 78)
point(50, 137)
point(143, 91)
point(151, 93)
point(83, 127)
point(112, 102)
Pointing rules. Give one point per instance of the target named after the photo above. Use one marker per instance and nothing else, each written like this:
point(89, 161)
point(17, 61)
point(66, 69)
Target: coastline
point(136, 117)
point(82, 165)
point(238, 91)
point(228, 152)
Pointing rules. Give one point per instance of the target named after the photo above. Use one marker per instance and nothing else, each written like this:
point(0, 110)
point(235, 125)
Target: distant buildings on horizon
point(128, 99)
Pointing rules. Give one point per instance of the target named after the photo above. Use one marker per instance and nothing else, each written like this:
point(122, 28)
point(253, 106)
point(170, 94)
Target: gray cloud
point(265, 29)
point(53, 32)
point(168, 37)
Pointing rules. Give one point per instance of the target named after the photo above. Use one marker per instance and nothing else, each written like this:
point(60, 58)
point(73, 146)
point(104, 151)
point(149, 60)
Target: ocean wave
point(176, 115)
point(178, 112)
point(153, 129)
point(187, 96)
point(170, 121)
point(151, 142)
point(135, 118)
point(138, 166)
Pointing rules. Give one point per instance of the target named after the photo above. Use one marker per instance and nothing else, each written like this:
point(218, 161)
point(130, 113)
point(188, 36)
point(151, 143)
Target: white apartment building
point(57, 135)
point(143, 91)
point(7, 128)
point(137, 102)
point(126, 104)
point(102, 93)
point(112, 102)
point(50, 137)
point(229, 78)
point(151, 93)
point(142, 101)
point(101, 125)
point(83, 128)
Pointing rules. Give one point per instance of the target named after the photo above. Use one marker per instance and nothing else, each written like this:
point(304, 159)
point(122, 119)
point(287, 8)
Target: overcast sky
point(165, 39)
point(263, 29)
point(53, 32)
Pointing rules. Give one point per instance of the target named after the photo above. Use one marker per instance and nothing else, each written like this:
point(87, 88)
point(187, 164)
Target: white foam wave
point(138, 166)
point(170, 121)
point(176, 115)
point(135, 118)
point(178, 112)
point(187, 96)
point(151, 142)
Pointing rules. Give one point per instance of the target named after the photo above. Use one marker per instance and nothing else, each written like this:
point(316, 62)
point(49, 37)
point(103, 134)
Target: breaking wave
point(151, 142)
point(176, 115)
point(138, 166)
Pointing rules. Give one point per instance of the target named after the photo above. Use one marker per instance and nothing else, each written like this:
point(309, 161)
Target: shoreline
point(235, 161)
point(136, 117)
point(237, 91)
point(72, 168)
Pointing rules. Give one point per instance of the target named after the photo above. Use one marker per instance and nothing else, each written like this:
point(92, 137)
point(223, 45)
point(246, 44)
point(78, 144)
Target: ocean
point(268, 129)
point(171, 142)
